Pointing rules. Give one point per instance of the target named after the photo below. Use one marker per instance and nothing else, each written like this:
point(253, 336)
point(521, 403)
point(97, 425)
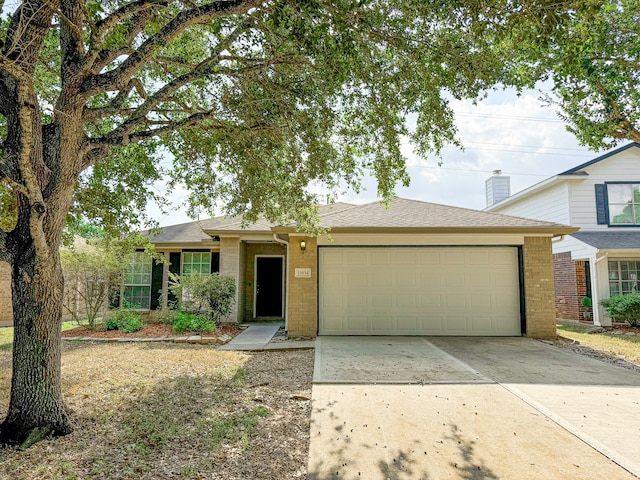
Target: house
point(602, 198)
point(414, 268)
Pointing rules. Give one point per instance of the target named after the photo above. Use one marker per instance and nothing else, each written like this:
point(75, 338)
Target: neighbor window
point(196, 263)
point(623, 276)
point(624, 203)
point(137, 282)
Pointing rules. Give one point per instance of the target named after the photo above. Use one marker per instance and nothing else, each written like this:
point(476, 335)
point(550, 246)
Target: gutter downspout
point(557, 238)
point(286, 281)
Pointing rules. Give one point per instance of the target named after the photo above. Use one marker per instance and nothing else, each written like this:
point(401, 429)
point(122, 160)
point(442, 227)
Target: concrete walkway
point(255, 337)
point(512, 408)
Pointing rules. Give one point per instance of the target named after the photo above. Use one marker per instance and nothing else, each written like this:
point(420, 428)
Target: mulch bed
point(151, 330)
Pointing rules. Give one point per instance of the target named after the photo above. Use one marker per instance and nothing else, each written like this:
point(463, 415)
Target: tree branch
point(111, 79)
point(26, 32)
point(166, 92)
point(624, 127)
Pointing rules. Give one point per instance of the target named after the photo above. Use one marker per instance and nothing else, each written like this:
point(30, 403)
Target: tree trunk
point(36, 409)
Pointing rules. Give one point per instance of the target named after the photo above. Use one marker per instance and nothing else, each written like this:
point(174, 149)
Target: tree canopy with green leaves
point(591, 58)
point(255, 100)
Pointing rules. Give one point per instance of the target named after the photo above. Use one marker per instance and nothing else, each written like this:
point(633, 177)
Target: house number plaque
point(303, 273)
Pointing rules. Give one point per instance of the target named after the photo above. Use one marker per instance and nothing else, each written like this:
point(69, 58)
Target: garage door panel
point(478, 257)
point(357, 258)
point(357, 324)
point(381, 257)
point(406, 303)
point(429, 256)
point(431, 301)
point(406, 325)
point(357, 279)
point(403, 256)
point(419, 291)
point(480, 302)
point(455, 279)
point(381, 280)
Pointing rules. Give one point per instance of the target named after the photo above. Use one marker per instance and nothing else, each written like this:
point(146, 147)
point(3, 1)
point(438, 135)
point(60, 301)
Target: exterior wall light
point(303, 246)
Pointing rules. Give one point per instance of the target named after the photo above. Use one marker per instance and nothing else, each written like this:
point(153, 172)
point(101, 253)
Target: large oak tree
point(246, 102)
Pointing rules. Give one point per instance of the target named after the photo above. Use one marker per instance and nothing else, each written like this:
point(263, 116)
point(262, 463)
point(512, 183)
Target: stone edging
point(192, 339)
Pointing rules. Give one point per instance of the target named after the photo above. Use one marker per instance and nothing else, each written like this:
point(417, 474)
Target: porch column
point(303, 287)
point(230, 267)
point(539, 288)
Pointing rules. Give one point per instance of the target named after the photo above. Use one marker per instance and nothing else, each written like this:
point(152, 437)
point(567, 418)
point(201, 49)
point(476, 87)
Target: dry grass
point(615, 345)
point(156, 411)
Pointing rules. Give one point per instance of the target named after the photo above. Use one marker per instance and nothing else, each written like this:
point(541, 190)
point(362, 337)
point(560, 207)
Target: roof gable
point(576, 173)
point(577, 169)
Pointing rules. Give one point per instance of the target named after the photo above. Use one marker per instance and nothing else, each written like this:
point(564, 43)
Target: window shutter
point(602, 206)
point(174, 267)
point(156, 285)
point(215, 262)
point(174, 262)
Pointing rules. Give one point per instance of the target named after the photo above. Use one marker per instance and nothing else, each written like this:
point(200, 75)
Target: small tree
point(89, 271)
point(215, 293)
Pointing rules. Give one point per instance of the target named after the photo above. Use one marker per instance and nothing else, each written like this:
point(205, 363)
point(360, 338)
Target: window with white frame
point(137, 281)
point(624, 203)
point(623, 276)
point(196, 263)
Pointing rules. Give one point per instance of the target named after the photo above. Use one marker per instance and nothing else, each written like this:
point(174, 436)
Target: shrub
point(188, 322)
point(124, 320)
point(215, 293)
point(624, 308)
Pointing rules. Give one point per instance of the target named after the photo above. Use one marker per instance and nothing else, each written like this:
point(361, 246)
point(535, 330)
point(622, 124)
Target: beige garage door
point(419, 291)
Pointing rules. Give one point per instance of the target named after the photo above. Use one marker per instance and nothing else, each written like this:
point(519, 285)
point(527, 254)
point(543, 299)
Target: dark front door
point(269, 287)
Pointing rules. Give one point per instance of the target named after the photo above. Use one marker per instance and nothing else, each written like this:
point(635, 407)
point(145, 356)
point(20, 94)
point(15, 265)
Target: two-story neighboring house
point(602, 198)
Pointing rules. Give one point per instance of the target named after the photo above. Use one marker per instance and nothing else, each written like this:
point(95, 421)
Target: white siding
point(551, 204)
point(579, 250)
point(623, 167)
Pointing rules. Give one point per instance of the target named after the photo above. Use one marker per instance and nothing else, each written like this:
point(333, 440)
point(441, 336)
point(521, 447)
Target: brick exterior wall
point(6, 310)
point(539, 288)
point(303, 292)
point(566, 294)
point(570, 288)
point(582, 289)
point(253, 249)
point(230, 266)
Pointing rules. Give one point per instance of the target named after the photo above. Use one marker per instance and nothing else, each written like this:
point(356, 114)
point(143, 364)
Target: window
point(137, 281)
point(196, 263)
point(624, 203)
point(623, 276)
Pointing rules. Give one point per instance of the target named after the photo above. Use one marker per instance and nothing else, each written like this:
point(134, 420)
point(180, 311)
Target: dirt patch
point(169, 411)
point(151, 330)
point(577, 347)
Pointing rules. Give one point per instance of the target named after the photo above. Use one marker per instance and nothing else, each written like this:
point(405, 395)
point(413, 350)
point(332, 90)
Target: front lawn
point(6, 334)
point(156, 410)
point(615, 345)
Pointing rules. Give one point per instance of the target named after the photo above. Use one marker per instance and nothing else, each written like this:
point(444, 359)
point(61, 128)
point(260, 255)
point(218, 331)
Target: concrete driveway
point(472, 408)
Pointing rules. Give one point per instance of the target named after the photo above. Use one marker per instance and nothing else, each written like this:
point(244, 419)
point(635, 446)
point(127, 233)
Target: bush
point(214, 293)
point(124, 320)
point(188, 322)
point(624, 308)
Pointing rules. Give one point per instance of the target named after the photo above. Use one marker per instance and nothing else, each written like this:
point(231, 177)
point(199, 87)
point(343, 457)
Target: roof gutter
point(286, 281)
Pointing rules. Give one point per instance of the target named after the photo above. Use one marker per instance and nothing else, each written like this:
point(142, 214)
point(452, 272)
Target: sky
point(516, 134)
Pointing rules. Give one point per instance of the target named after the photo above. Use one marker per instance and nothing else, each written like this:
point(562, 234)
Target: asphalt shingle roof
point(404, 213)
point(610, 240)
point(401, 213)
